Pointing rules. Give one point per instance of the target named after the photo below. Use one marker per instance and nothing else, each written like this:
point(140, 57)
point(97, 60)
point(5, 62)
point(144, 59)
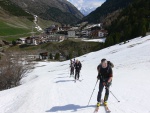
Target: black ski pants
point(101, 87)
point(77, 74)
point(72, 71)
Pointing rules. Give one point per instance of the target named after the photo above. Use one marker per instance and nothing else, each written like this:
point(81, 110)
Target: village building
point(21, 41)
point(43, 55)
point(98, 34)
point(85, 33)
point(54, 38)
point(36, 40)
point(52, 29)
point(28, 40)
point(73, 32)
point(65, 28)
point(92, 31)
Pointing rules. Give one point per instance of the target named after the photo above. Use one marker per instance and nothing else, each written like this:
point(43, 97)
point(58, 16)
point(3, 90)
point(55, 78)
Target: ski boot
point(105, 103)
point(98, 104)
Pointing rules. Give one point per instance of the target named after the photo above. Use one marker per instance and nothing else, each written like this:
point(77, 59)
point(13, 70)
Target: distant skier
point(72, 64)
point(105, 75)
point(78, 67)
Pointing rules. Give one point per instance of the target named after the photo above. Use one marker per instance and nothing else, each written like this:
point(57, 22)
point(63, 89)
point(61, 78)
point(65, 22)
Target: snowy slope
point(49, 89)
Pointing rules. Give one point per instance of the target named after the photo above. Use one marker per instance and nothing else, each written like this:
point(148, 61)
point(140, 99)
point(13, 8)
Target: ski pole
point(112, 94)
point(93, 92)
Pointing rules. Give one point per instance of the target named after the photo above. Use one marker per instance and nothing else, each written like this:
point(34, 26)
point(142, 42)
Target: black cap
point(103, 60)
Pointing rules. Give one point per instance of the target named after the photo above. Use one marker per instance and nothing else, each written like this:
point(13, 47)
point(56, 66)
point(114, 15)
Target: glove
point(107, 84)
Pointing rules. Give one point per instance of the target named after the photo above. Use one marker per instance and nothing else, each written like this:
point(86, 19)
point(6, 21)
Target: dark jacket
point(104, 73)
point(78, 66)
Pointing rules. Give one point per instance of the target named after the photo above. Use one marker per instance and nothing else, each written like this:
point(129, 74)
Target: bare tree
point(13, 67)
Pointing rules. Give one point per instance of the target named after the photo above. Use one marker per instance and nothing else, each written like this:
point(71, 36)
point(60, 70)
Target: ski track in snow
point(49, 89)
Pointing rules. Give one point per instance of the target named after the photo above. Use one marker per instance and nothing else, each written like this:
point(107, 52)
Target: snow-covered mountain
point(48, 89)
point(86, 6)
point(86, 10)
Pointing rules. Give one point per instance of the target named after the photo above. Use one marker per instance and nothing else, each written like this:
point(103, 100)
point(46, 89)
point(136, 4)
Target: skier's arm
point(80, 66)
point(110, 79)
point(98, 69)
point(110, 75)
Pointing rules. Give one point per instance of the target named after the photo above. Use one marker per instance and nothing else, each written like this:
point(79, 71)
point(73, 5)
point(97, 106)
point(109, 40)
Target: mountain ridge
point(109, 6)
point(62, 11)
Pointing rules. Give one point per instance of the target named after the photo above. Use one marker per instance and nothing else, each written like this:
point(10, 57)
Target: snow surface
point(36, 25)
point(96, 40)
point(49, 89)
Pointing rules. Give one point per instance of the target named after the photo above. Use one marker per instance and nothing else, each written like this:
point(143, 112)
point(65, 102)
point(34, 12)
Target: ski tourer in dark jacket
point(72, 64)
point(105, 75)
point(78, 67)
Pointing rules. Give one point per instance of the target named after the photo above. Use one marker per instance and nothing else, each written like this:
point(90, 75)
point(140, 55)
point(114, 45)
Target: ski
point(96, 110)
point(106, 107)
point(80, 80)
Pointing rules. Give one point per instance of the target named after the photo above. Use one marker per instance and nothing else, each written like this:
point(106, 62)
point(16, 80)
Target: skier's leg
point(75, 74)
point(73, 71)
point(106, 94)
point(70, 71)
point(78, 74)
point(99, 96)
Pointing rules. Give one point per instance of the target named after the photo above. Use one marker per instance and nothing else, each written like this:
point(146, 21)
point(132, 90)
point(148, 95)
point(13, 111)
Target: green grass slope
point(16, 23)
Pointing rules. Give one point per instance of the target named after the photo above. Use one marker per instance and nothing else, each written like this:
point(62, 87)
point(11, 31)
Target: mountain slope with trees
point(132, 22)
point(105, 9)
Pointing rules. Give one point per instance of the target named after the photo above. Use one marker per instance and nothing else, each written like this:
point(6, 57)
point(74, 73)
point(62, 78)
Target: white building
point(21, 40)
point(85, 33)
point(71, 33)
point(101, 34)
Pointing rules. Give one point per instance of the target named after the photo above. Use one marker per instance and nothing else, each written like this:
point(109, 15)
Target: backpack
point(110, 64)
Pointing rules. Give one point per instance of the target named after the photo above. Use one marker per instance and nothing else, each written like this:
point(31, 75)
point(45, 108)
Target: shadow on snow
point(69, 107)
point(62, 81)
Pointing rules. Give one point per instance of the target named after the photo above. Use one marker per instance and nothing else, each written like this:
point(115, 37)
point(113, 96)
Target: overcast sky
point(87, 3)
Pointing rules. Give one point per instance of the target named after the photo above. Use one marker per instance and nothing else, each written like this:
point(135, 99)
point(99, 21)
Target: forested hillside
point(103, 11)
point(133, 21)
point(14, 10)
